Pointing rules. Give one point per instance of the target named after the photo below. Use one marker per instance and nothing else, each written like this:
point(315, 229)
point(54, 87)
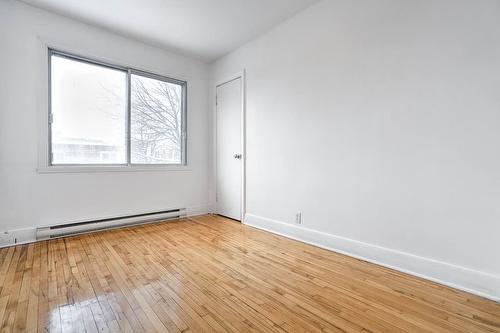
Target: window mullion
point(128, 119)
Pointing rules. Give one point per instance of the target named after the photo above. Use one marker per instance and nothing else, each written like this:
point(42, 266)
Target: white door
point(229, 149)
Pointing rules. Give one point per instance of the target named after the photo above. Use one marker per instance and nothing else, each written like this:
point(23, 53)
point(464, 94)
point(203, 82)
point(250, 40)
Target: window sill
point(111, 168)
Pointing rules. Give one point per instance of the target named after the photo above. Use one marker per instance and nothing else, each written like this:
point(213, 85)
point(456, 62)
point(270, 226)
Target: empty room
point(250, 166)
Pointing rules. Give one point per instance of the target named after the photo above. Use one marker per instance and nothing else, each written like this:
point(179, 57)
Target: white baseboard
point(18, 237)
point(199, 210)
point(469, 280)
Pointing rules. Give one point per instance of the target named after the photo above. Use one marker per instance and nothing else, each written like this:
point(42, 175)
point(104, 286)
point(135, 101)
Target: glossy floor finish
point(212, 274)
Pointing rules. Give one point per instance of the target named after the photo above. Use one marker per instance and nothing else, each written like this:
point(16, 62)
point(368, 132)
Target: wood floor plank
point(13, 280)
point(211, 274)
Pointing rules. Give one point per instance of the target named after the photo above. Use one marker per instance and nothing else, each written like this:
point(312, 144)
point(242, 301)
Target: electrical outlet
point(298, 218)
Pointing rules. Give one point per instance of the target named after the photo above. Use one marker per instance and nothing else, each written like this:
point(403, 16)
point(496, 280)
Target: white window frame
point(45, 159)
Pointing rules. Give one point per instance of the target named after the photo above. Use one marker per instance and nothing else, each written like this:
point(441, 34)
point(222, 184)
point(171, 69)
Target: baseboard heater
point(70, 229)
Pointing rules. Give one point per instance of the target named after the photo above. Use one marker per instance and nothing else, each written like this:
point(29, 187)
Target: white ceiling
point(205, 29)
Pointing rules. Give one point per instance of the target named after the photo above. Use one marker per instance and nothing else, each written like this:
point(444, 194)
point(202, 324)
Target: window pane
point(89, 106)
point(156, 121)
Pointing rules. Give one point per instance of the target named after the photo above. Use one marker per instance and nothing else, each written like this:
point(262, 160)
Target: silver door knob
point(237, 156)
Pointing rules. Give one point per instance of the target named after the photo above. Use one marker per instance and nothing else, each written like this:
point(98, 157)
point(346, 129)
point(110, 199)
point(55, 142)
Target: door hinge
point(51, 118)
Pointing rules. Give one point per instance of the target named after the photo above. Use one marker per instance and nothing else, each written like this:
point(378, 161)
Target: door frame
point(239, 75)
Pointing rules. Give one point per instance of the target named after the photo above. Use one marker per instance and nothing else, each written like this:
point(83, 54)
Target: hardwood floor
point(211, 274)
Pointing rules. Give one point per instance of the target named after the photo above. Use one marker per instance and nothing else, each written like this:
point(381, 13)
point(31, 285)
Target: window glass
point(89, 110)
point(156, 121)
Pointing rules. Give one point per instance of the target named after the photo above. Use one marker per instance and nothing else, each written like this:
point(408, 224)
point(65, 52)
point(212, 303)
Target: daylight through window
point(108, 115)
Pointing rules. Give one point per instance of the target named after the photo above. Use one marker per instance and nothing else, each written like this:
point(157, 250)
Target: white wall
point(380, 122)
point(28, 198)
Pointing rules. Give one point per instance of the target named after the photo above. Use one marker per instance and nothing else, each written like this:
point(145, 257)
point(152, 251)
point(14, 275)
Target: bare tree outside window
point(156, 121)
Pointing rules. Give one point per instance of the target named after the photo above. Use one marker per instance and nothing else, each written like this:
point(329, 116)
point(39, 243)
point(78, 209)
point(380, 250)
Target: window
point(156, 120)
point(102, 114)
